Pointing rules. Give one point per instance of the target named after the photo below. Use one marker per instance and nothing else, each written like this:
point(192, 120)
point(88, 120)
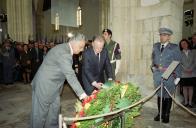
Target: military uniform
point(114, 54)
point(161, 61)
point(162, 56)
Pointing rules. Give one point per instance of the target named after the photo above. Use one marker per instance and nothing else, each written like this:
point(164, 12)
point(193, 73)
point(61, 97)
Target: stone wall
point(136, 29)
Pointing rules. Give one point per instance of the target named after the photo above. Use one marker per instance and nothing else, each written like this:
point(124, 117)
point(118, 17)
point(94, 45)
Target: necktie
point(98, 56)
point(162, 48)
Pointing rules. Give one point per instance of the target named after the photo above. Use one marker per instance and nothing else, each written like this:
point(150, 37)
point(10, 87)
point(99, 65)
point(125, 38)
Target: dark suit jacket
point(35, 56)
point(93, 68)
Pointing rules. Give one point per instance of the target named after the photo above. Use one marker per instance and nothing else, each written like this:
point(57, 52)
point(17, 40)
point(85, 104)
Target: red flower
point(93, 96)
point(81, 113)
point(73, 125)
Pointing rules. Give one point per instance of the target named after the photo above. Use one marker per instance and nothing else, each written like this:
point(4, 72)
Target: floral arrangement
point(114, 96)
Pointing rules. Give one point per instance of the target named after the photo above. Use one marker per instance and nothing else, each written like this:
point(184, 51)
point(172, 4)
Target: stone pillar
point(123, 24)
point(194, 17)
point(19, 14)
point(104, 9)
point(136, 29)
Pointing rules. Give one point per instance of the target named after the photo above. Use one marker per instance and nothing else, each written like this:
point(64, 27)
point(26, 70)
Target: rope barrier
point(176, 102)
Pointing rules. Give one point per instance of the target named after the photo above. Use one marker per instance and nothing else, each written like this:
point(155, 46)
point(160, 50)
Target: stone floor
point(15, 107)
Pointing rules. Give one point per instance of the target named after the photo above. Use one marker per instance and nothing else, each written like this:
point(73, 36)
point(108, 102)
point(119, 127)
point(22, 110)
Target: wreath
point(114, 96)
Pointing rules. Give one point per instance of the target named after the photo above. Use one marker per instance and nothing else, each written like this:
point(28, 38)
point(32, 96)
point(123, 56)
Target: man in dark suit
point(36, 58)
point(49, 80)
point(95, 62)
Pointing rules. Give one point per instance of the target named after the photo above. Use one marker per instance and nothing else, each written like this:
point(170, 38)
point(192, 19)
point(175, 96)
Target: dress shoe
point(190, 106)
point(165, 119)
point(157, 118)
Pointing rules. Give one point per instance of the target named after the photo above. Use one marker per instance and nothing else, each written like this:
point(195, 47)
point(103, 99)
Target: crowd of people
point(20, 61)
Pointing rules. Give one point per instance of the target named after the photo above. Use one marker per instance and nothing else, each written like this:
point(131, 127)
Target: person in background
point(164, 52)
point(1, 64)
point(52, 44)
point(114, 51)
point(36, 58)
point(45, 51)
point(9, 61)
point(193, 47)
point(188, 64)
point(26, 64)
point(95, 62)
point(193, 43)
point(49, 81)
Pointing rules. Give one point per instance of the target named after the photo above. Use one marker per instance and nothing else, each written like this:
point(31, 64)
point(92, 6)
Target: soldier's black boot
point(157, 118)
point(167, 106)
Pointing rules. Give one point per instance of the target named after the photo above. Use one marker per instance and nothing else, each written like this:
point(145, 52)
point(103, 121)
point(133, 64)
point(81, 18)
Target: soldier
point(163, 54)
point(113, 51)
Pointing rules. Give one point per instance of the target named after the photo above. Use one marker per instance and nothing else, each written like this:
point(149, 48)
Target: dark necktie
point(162, 48)
point(97, 55)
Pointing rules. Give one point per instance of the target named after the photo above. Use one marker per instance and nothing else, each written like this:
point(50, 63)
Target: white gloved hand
point(117, 66)
point(176, 81)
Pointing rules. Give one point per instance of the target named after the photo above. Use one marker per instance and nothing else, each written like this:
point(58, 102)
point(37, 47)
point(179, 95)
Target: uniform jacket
point(162, 60)
point(93, 68)
point(114, 53)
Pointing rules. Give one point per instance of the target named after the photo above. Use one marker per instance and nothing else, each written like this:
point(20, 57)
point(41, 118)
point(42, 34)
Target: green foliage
point(110, 99)
point(124, 102)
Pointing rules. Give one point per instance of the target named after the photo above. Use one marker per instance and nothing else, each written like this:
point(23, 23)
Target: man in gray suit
point(163, 54)
point(49, 80)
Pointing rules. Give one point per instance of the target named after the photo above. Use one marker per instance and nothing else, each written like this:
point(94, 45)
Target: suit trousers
point(44, 115)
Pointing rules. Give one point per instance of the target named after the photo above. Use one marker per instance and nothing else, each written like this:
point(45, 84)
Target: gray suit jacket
point(56, 67)
point(188, 62)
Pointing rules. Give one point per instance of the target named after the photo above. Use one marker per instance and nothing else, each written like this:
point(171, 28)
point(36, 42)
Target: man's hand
point(98, 85)
point(83, 96)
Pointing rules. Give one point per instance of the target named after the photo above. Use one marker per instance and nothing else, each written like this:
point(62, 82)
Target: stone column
point(104, 10)
point(136, 29)
point(122, 23)
point(20, 19)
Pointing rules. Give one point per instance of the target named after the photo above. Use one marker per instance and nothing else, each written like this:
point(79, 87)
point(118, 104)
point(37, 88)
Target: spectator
point(188, 64)
point(1, 65)
point(9, 61)
point(45, 51)
point(26, 64)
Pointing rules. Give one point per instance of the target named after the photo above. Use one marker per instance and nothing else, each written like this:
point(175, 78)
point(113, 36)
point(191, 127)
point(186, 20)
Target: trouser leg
point(53, 113)
point(39, 112)
point(157, 118)
point(167, 107)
